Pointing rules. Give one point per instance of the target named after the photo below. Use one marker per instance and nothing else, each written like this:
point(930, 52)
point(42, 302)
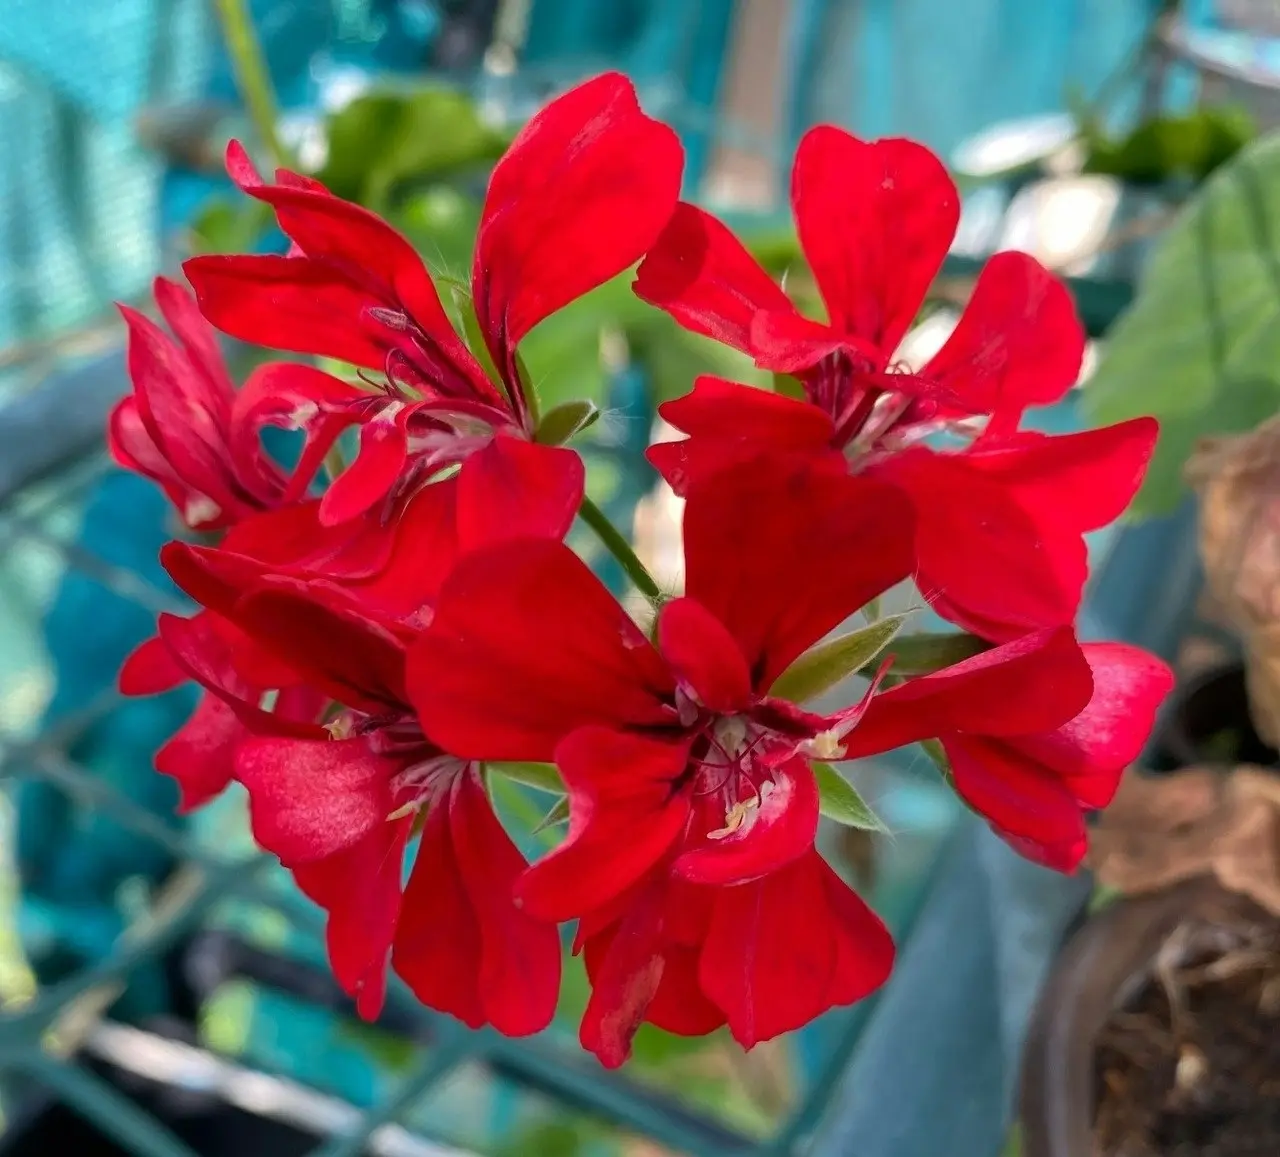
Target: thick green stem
point(616, 544)
point(252, 77)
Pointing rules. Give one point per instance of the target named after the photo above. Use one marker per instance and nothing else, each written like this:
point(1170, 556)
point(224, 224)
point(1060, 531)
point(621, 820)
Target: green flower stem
point(617, 545)
point(252, 77)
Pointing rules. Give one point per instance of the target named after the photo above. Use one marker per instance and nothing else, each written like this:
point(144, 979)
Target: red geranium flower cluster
point(374, 650)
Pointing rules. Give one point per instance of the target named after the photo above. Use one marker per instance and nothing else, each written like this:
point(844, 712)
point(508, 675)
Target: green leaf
point(928, 652)
point(223, 226)
point(840, 802)
point(543, 776)
point(565, 420)
point(1200, 346)
point(933, 749)
point(558, 814)
point(390, 140)
point(820, 668)
point(788, 386)
point(1164, 148)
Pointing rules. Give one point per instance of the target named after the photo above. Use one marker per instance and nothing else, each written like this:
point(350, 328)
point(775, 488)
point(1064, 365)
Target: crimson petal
point(624, 815)
point(1019, 796)
point(875, 220)
point(312, 800)
point(519, 975)
point(782, 552)
point(726, 421)
point(592, 149)
point(770, 956)
point(200, 756)
point(439, 947)
point(516, 489)
point(524, 647)
point(705, 278)
point(1033, 684)
point(1019, 342)
point(776, 832)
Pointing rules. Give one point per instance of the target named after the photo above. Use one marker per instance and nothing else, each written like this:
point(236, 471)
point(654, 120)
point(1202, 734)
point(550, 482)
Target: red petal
point(288, 303)
point(199, 647)
point(625, 812)
point(776, 832)
point(1064, 857)
point(328, 639)
point(678, 1004)
point(781, 553)
point(186, 426)
point(626, 971)
point(705, 278)
point(582, 192)
point(526, 646)
point(201, 754)
point(150, 670)
point(360, 887)
point(875, 220)
point(215, 579)
point(1030, 685)
point(1019, 342)
point(517, 489)
point(1071, 482)
point(519, 975)
point(384, 450)
point(726, 421)
point(292, 538)
point(864, 948)
point(770, 958)
point(789, 344)
point(703, 656)
point(1020, 797)
point(1094, 748)
point(424, 549)
point(293, 397)
point(199, 342)
point(982, 560)
point(439, 950)
point(311, 800)
point(361, 248)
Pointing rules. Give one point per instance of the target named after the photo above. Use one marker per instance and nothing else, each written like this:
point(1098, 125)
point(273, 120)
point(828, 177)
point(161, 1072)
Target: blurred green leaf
point(1200, 346)
point(441, 223)
point(229, 226)
point(841, 802)
point(386, 142)
point(1164, 148)
point(823, 666)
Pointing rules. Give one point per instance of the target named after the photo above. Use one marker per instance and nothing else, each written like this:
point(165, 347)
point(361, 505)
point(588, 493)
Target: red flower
point(688, 782)
point(999, 525)
point(583, 191)
point(339, 805)
point(177, 426)
point(394, 572)
point(200, 756)
point(1037, 731)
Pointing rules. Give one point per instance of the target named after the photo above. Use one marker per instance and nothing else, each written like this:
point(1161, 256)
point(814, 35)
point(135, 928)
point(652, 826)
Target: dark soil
point(1190, 1067)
